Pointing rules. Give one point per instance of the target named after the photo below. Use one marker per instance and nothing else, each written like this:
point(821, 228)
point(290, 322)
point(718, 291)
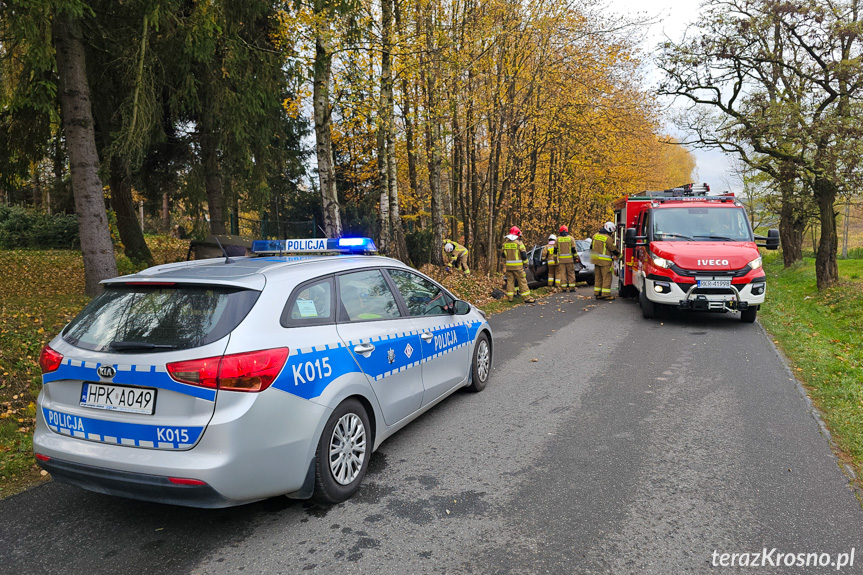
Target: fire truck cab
point(684, 248)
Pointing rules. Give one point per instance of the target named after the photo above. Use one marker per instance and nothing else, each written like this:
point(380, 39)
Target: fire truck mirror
point(631, 240)
point(772, 239)
point(771, 242)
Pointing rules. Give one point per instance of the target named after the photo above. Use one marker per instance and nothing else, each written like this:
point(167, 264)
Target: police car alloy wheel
point(481, 364)
point(343, 453)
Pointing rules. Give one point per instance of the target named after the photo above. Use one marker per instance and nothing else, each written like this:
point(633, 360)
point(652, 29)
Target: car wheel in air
point(481, 365)
point(648, 308)
point(748, 315)
point(343, 453)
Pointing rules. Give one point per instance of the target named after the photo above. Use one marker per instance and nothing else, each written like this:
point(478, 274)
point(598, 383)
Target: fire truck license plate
point(118, 398)
point(714, 283)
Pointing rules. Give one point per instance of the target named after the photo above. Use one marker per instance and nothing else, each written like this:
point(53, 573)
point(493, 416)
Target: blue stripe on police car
point(139, 435)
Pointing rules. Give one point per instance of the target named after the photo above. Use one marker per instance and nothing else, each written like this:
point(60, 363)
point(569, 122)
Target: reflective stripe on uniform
point(564, 249)
point(513, 255)
point(600, 239)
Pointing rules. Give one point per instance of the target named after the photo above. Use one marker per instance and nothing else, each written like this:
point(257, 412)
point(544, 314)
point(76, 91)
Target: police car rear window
point(144, 319)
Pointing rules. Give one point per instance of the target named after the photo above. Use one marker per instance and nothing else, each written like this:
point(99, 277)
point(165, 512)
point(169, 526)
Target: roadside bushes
point(23, 228)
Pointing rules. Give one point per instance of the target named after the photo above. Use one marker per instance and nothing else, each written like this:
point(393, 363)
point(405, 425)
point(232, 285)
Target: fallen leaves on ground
point(475, 288)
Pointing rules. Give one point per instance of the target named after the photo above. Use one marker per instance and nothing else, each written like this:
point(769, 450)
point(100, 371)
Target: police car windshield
point(701, 224)
point(134, 319)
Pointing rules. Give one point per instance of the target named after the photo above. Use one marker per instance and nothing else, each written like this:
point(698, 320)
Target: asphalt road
point(604, 443)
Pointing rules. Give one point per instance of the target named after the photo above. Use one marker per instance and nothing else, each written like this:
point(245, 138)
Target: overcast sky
point(672, 17)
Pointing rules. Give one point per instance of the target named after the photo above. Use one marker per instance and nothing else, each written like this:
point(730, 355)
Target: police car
point(218, 382)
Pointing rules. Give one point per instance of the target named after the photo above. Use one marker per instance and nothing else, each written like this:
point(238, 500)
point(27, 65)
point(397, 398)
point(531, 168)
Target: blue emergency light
point(315, 246)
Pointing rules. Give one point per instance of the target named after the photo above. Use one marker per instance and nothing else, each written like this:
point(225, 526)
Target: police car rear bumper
point(139, 486)
point(232, 473)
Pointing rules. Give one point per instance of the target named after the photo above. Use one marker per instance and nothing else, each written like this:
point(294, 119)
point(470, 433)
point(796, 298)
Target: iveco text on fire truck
point(684, 248)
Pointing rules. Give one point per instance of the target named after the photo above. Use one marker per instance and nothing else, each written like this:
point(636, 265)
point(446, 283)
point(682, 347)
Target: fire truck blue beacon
point(218, 382)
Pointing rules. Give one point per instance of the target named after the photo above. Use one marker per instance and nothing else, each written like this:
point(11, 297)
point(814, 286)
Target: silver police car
point(218, 382)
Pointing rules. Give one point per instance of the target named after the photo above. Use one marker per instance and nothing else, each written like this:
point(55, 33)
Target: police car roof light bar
point(314, 246)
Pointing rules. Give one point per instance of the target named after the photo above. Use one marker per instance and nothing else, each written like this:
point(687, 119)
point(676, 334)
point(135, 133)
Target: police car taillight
point(49, 360)
point(251, 371)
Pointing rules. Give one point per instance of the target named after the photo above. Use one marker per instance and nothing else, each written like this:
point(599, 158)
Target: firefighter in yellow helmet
point(565, 262)
point(549, 256)
point(455, 255)
point(602, 251)
point(515, 255)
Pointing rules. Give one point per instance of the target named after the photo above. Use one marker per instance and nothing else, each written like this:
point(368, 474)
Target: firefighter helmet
point(609, 227)
point(563, 228)
point(552, 238)
point(448, 247)
point(514, 231)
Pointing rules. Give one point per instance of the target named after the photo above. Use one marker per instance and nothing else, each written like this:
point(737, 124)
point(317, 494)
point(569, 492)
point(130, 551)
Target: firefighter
point(455, 255)
point(515, 256)
point(549, 256)
point(602, 251)
point(565, 262)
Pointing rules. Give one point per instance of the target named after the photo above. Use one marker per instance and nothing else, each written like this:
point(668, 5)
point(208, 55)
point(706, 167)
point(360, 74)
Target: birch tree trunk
point(74, 92)
point(383, 124)
point(323, 134)
point(406, 111)
point(434, 139)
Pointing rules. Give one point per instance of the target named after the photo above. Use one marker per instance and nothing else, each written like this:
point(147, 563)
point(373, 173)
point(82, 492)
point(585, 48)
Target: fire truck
point(688, 249)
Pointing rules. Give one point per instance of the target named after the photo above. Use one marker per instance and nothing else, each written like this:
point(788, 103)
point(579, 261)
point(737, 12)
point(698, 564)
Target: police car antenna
point(228, 260)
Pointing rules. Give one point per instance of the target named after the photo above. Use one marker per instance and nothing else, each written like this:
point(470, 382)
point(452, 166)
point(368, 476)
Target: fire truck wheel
point(748, 315)
point(648, 308)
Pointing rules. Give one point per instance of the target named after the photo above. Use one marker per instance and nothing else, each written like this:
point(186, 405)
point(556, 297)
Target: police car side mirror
point(631, 240)
point(460, 307)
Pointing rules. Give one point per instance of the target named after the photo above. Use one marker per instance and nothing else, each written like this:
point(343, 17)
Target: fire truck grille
point(727, 273)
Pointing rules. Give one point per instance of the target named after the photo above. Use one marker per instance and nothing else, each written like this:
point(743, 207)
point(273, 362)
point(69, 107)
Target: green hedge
point(23, 228)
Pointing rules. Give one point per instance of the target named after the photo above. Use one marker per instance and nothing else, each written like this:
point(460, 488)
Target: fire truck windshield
point(701, 224)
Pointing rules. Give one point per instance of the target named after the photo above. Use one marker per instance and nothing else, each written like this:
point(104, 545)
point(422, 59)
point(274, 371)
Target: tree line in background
point(778, 83)
point(427, 118)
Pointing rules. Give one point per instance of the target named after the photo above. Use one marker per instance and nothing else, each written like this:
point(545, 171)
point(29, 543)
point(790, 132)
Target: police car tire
point(748, 315)
point(648, 308)
point(327, 488)
point(481, 364)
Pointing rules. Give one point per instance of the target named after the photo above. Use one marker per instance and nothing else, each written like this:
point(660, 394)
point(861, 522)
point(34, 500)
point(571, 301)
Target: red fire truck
point(684, 248)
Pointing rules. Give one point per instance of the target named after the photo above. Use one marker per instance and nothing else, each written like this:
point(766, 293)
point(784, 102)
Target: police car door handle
point(364, 348)
point(427, 335)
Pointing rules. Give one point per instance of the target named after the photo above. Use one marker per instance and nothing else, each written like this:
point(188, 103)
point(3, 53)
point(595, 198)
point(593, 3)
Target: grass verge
point(822, 336)
point(42, 291)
